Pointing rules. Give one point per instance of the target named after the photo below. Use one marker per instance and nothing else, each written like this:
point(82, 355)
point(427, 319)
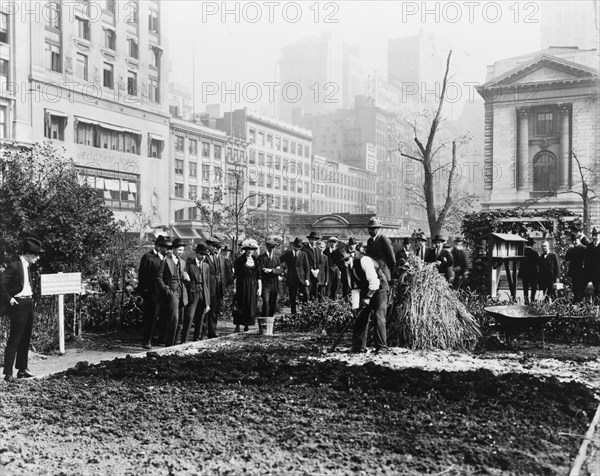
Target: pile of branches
point(425, 313)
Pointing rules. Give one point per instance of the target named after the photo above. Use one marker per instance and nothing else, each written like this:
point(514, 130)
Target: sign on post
point(61, 284)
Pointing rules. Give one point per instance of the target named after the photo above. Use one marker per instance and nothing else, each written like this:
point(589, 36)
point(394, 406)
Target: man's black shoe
point(382, 350)
point(359, 350)
point(24, 374)
point(9, 378)
point(147, 345)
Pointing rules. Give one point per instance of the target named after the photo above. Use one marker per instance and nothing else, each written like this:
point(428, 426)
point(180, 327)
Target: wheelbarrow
point(516, 318)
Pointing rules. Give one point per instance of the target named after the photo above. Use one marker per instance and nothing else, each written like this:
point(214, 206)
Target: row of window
point(344, 193)
point(118, 190)
point(266, 139)
point(193, 147)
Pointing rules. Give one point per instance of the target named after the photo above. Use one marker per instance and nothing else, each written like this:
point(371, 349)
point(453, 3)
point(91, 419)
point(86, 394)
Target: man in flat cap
point(16, 300)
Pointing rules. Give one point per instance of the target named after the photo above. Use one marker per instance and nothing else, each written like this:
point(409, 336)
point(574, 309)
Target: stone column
point(565, 146)
point(523, 150)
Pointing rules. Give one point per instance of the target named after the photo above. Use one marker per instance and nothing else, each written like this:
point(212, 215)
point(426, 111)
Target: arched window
point(544, 172)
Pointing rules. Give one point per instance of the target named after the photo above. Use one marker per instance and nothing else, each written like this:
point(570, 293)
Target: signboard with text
point(60, 283)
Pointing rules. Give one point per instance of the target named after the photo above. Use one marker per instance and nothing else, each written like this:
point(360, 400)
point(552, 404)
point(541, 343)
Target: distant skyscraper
point(318, 75)
point(573, 23)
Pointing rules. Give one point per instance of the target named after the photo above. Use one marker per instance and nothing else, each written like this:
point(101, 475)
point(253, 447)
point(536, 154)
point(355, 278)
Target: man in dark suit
point(440, 256)
point(324, 272)
point(220, 278)
point(369, 278)
point(16, 300)
point(198, 305)
point(172, 279)
point(528, 271)
point(344, 275)
point(271, 271)
point(334, 271)
point(379, 247)
point(592, 263)
point(148, 287)
point(575, 255)
point(297, 271)
point(549, 271)
point(315, 260)
point(421, 248)
point(459, 256)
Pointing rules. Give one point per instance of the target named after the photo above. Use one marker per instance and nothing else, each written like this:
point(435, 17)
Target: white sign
point(61, 283)
point(371, 157)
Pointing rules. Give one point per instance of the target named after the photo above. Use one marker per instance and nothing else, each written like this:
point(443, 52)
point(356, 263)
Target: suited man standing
point(421, 248)
point(16, 300)
point(172, 279)
point(549, 271)
point(297, 271)
point(148, 287)
point(344, 275)
point(379, 247)
point(315, 261)
point(220, 278)
point(440, 256)
point(198, 305)
point(575, 255)
point(324, 272)
point(270, 270)
point(334, 271)
point(592, 263)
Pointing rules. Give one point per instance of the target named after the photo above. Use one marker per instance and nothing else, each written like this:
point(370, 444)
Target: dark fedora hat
point(213, 241)
point(161, 240)
point(297, 243)
point(438, 239)
point(352, 241)
point(421, 236)
point(202, 249)
point(176, 243)
point(374, 222)
point(406, 241)
point(271, 243)
point(339, 254)
point(32, 246)
point(458, 239)
point(314, 236)
point(595, 231)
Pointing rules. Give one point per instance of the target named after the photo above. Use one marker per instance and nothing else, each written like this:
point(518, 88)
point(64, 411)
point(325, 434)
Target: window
point(83, 28)
point(306, 152)
point(277, 162)
point(205, 149)
point(270, 141)
point(133, 12)
point(277, 203)
point(134, 50)
point(132, 83)
point(154, 90)
point(193, 169)
point(252, 135)
point(179, 143)
point(261, 138)
point(3, 122)
point(192, 213)
point(545, 123)
point(277, 183)
point(110, 39)
point(156, 147)
point(179, 215)
point(179, 166)
point(53, 57)
point(278, 143)
point(108, 77)
point(293, 148)
point(285, 145)
point(179, 190)
point(252, 156)
point(3, 75)
point(218, 174)
point(118, 189)
point(81, 66)
point(54, 126)
point(284, 204)
point(155, 54)
point(193, 147)
point(192, 191)
point(544, 172)
point(205, 193)
point(261, 158)
point(217, 152)
point(3, 28)
point(205, 173)
point(84, 133)
point(110, 7)
point(153, 21)
point(52, 15)
point(261, 180)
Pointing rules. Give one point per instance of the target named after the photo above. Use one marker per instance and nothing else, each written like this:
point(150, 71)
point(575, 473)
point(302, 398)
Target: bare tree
point(426, 154)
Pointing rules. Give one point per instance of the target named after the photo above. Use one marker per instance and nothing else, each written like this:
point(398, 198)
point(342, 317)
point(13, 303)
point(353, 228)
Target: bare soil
point(249, 404)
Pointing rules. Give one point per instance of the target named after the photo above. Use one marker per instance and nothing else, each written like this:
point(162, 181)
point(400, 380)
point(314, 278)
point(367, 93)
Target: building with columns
point(540, 110)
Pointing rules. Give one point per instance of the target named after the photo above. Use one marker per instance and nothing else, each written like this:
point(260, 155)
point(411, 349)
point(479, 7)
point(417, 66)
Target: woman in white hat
point(248, 286)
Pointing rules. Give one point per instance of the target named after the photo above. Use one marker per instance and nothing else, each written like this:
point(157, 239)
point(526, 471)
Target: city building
point(180, 101)
point(341, 188)
point(341, 225)
point(91, 77)
point(318, 75)
point(541, 110)
point(279, 166)
point(573, 23)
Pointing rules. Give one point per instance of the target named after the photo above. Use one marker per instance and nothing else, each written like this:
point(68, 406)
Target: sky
point(241, 41)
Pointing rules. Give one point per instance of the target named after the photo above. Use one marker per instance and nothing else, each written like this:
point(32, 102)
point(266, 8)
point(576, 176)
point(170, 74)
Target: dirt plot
point(281, 406)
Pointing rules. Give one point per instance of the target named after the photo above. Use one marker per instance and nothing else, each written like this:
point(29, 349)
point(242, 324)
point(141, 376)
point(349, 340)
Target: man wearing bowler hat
point(334, 271)
point(198, 294)
point(172, 279)
point(297, 272)
point(270, 270)
point(440, 256)
point(314, 256)
point(16, 300)
point(379, 247)
point(148, 287)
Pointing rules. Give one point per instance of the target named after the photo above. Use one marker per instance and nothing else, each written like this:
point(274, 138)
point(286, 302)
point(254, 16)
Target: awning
point(86, 120)
point(52, 112)
point(185, 233)
point(132, 187)
point(155, 137)
point(202, 234)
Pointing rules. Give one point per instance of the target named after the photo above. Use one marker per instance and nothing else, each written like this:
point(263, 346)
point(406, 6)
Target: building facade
point(91, 77)
point(569, 24)
point(180, 101)
point(541, 111)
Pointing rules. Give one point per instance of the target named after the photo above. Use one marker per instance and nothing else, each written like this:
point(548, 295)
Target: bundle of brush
point(425, 313)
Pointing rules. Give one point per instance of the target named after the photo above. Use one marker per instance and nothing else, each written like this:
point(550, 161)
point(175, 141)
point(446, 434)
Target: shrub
point(327, 315)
